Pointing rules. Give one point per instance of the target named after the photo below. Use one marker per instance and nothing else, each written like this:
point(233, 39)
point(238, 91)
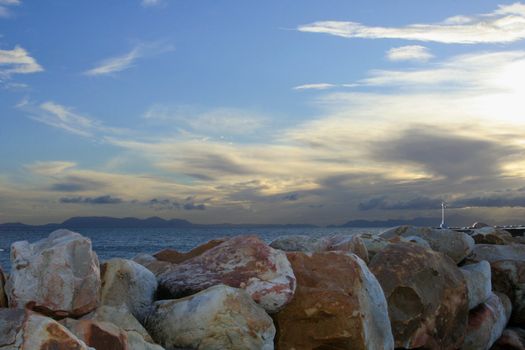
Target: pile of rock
point(406, 288)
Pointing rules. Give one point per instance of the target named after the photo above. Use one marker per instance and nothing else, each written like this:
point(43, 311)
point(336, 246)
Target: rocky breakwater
point(421, 289)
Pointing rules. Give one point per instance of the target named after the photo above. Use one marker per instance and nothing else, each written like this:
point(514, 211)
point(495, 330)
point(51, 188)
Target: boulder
point(478, 225)
point(26, 330)
point(507, 263)
point(511, 339)
point(219, 317)
point(124, 282)
point(338, 304)
point(58, 276)
point(373, 243)
point(175, 257)
point(99, 335)
point(426, 295)
point(457, 245)
point(152, 264)
point(478, 279)
point(353, 244)
point(3, 296)
point(298, 243)
point(241, 262)
point(486, 323)
point(492, 235)
point(122, 318)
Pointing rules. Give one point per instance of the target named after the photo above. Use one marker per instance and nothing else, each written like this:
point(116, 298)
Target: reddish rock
point(58, 276)
point(511, 339)
point(175, 257)
point(352, 244)
point(241, 262)
point(3, 296)
point(486, 323)
point(338, 304)
point(426, 294)
point(508, 277)
point(26, 330)
point(99, 335)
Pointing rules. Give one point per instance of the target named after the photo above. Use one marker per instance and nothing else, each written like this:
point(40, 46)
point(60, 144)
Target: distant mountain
point(81, 222)
point(452, 220)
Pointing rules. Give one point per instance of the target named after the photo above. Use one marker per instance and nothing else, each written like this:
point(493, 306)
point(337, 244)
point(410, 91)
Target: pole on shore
point(443, 207)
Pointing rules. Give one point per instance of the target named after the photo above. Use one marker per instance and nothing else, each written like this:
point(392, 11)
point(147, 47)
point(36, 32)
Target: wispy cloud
point(4, 7)
point(151, 3)
point(505, 24)
point(126, 61)
point(17, 61)
point(416, 53)
point(317, 86)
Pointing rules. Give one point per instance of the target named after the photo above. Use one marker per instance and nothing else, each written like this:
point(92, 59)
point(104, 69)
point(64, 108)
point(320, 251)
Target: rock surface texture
point(175, 257)
point(479, 285)
point(124, 282)
point(99, 335)
point(457, 245)
point(507, 263)
point(242, 262)
point(511, 339)
point(486, 323)
point(26, 330)
point(220, 317)
point(426, 295)
point(58, 276)
point(491, 235)
point(338, 305)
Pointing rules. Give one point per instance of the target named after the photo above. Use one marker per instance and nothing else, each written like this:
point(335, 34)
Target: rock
point(58, 276)
point(302, 243)
point(486, 324)
point(26, 330)
point(507, 263)
point(124, 282)
point(338, 304)
point(417, 240)
point(298, 243)
point(152, 264)
point(478, 279)
point(511, 339)
point(426, 294)
point(136, 342)
point(122, 318)
point(457, 245)
point(491, 235)
point(175, 257)
point(241, 262)
point(219, 317)
point(99, 335)
point(493, 252)
point(3, 296)
point(373, 243)
point(477, 225)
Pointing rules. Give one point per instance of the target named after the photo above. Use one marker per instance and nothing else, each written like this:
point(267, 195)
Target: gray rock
point(220, 317)
point(457, 245)
point(479, 285)
point(125, 282)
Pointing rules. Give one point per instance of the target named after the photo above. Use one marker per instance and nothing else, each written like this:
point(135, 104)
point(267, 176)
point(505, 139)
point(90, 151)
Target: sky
point(277, 111)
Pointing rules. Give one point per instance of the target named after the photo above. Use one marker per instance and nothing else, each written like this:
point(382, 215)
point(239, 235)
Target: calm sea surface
point(126, 243)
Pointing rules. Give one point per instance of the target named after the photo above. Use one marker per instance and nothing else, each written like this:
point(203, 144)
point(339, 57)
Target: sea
point(127, 243)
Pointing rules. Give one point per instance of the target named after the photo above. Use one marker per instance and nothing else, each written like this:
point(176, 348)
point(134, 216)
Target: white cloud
point(416, 53)
point(4, 9)
point(317, 86)
point(505, 24)
point(126, 61)
point(17, 61)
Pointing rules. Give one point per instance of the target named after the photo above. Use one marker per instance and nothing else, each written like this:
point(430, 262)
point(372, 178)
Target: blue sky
point(261, 111)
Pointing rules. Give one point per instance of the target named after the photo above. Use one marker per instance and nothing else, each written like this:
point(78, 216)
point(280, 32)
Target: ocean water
point(126, 243)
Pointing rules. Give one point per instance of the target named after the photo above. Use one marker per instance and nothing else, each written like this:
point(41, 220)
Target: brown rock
point(511, 339)
point(508, 277)
point(426, 294)
point(152, 264)
point(100, 335)
point(3, 296)
point(175, 257)
point(26, 330)
point(338, 304)
point(491, 235)
point(241, 262)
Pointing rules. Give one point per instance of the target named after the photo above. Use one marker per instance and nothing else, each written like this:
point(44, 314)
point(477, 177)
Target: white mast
point(443, 207)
